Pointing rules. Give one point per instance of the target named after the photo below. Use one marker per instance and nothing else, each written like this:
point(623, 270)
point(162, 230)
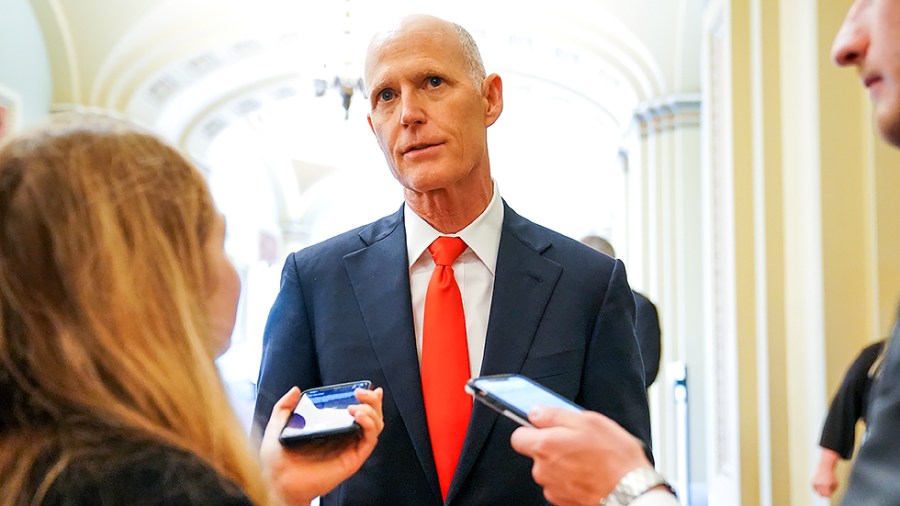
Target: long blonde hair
point(102, 316)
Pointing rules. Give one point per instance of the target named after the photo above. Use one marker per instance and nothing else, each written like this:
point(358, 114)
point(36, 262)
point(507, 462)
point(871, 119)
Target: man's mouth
point(871, 80)
point(418, 147)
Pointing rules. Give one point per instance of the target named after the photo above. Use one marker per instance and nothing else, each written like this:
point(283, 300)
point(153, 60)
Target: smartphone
point(513, 396)
point(321, 419)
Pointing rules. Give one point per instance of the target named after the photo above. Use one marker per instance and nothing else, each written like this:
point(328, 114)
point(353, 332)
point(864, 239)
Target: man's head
point(600, 244)
point(870, 40)
point(431, 104)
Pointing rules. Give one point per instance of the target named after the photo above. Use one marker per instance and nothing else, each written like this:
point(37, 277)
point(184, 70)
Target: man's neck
point(449, 212)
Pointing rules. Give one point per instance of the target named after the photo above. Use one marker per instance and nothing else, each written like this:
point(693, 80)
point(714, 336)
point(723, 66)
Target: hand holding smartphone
point(321, 421)
point(514, 396)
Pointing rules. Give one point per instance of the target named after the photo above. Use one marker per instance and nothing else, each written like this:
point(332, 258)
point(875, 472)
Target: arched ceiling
point(180, 65)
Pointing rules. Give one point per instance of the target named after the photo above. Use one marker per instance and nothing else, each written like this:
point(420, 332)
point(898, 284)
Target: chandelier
point(346, 87)
point(340, 72)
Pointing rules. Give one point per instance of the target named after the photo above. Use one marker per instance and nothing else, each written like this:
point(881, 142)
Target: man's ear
point(492, 91)
point(369, 119)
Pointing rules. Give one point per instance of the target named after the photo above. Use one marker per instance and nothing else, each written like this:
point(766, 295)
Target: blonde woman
point(115, 298)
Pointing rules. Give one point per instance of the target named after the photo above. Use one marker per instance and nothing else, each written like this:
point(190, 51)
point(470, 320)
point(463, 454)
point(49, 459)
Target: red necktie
point(445, 361)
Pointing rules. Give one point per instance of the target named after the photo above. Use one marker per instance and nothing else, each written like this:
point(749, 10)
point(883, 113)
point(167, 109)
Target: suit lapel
point(379, 275)
point(523, 284)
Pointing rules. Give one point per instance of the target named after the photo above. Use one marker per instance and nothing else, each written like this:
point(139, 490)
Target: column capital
point(668, 112)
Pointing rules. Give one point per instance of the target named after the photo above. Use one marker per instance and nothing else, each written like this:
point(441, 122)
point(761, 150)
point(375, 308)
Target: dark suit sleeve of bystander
point(646, 327)
point(849, 404)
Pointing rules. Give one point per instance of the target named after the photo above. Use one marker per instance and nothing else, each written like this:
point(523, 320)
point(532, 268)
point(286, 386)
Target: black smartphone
point(513, 396)
point(321, 420)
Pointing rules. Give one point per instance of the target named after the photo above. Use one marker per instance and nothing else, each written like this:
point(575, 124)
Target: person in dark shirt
point(848, 406)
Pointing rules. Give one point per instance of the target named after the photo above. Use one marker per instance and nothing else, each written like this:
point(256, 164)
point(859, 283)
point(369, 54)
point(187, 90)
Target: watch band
point(635, 483)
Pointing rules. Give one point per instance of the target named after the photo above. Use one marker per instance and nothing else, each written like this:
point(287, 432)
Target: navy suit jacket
point(561, 314)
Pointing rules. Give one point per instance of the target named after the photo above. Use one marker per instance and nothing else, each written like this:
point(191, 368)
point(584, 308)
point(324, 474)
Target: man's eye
point(386, 95)
point(435, 81)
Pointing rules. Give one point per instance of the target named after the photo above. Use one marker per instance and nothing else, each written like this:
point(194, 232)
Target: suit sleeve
point(288, 356)
point(873, 479)
point(613, 381)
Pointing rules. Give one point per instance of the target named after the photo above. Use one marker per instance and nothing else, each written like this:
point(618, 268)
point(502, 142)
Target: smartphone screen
point(514, 396)
point(322, 414)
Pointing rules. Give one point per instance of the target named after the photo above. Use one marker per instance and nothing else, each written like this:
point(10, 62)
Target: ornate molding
point(668, 113)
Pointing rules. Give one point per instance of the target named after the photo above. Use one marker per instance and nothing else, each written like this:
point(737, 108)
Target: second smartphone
point(514, 396)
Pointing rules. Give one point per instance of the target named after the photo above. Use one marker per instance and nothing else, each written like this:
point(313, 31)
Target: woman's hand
point(297, 478)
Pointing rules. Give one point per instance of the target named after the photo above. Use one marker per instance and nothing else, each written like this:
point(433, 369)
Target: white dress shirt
point(474, 272)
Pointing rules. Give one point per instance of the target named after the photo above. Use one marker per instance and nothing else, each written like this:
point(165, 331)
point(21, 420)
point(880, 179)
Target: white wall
point(24, 68)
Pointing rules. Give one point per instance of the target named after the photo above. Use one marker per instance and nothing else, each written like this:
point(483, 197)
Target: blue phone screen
point(323, 409)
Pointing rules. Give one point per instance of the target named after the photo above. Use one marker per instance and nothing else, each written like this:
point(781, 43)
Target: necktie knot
point(445, 250)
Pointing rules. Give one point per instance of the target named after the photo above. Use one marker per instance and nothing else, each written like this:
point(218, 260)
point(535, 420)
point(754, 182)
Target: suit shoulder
point(340, 244)
point(642, 300)
point(576, 255)
point(351, 240)
point(556, 245)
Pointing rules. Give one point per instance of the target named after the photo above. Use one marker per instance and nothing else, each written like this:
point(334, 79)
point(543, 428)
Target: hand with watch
point(587, 459)
point(635, 484)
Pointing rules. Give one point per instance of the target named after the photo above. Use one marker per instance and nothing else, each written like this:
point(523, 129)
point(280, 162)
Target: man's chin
point(889, 124)
point(425, 181)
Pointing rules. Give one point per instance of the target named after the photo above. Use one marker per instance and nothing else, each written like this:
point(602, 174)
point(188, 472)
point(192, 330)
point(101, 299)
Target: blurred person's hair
point(103, 324)
point(600, 244)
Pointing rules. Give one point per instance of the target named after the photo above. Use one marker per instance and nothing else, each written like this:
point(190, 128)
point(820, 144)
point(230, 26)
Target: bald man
point(534, 302)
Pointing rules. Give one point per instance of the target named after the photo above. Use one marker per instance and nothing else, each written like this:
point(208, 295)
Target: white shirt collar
point(482, 235)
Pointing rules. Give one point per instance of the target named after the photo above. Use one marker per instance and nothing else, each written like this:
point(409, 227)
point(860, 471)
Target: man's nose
point(852, 40)
point(411, 109)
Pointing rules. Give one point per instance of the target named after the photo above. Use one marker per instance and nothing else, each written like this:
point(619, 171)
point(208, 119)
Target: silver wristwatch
point(634, 484)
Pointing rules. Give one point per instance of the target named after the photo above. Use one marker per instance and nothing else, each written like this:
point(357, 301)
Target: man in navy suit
point(535, 302)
